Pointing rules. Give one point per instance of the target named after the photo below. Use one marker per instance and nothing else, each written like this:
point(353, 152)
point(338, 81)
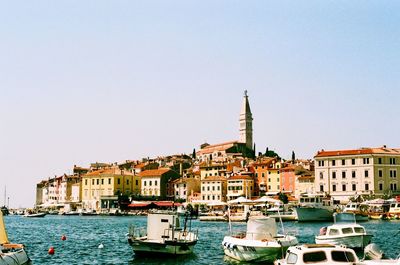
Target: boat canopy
point(261, 227)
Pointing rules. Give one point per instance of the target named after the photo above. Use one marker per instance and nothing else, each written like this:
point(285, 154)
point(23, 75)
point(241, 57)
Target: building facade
point(346, 173)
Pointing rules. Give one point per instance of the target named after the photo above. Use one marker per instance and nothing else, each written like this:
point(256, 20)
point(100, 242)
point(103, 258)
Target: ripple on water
point(85, 233)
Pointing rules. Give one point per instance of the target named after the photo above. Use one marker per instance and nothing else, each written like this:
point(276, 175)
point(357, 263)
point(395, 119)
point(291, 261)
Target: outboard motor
point(372, 251)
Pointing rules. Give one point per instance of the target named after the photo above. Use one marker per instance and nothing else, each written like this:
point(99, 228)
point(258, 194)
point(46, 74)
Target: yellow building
point(101, 188)
point(240, 185)
point(274, 178)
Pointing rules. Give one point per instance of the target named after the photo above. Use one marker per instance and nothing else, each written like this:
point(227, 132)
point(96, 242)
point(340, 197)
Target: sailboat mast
point(5, 195)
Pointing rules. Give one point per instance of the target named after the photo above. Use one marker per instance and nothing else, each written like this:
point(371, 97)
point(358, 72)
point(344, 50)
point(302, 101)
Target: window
point(390, 173)
point(343, 162)
point(366, 186)
point(380, 160)
point(333, 162)
point(333, 175)
point(102, 181)
point(394, 173)
point(321, 188)
point(291, 258)
point(333, 187)
point(119, 181)
point(343, 174)
point(218, 188)
point(354, 187)
point(109, 181)
point(144, 183)
point(155, 182)
point(213, 188)
point(137, 182)
point(365, 161)
point(85, 181)
point(313, 257)
point(353, 174)
point(353, 161)
point(344, 187)
point(380, 186)
point(333, 232)
point(359, 230)
point(380, 173)
point(343, 256)
point(208, 188)
point(366, 173)
point(321, 175)
point(347, 230)
point(202, 188)
point(92, 181)
point(98, 181)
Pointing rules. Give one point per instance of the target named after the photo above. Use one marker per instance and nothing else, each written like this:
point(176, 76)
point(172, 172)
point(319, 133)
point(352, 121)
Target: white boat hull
point(145, 247)
point(310, 214)
point(353, 241)
point(256, 250)
point(19, 257)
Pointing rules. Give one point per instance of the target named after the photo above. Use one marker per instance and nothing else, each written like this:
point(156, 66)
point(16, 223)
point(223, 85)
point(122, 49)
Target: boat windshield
point(333, 232)
point(291, 258)
point(343, 256)
point(313, 257)
point(347, 230)
point(359, 230)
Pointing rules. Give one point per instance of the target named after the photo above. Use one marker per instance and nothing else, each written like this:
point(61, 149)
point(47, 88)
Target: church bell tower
point(246, 123)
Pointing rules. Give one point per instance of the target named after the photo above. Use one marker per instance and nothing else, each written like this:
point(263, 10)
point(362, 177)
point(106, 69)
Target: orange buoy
point(51, 251)
point(63, 238)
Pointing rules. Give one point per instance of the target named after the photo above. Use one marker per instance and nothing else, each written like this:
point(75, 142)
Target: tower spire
point(246, 122)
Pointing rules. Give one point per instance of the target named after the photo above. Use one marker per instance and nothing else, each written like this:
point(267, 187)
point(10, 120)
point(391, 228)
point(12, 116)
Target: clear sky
point(106, 81)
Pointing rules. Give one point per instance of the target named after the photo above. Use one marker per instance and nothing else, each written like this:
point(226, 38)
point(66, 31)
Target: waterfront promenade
point(85, 234)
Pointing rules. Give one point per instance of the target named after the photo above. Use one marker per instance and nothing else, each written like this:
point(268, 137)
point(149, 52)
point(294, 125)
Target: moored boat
point(314, 208)
point(35, 215)
point(10, 254)
point(351, 235)
point(163, 235)
point(260, 242)
point(321, 254)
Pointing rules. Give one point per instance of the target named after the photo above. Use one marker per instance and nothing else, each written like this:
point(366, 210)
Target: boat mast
point(5, 195)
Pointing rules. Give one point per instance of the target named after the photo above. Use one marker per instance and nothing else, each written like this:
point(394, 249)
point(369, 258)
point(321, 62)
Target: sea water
point(85, 233)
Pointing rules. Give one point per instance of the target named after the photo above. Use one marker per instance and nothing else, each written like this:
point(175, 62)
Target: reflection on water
point(85, 233)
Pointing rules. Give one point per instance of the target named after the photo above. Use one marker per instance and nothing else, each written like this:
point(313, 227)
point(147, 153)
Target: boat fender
point(264, 240)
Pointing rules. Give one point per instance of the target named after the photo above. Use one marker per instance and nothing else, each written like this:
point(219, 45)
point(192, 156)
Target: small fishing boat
point(394, 211)
point(321, 254)
point(163, 235)
point(260, 242)
point(314, 208)
point(10, 254)
point(353, 209)
point(351, 235)
point(33, 215)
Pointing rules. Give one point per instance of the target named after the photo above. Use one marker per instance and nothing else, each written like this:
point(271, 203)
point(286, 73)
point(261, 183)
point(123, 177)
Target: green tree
point(194, 153)
point(293, 156)
point(283, 198)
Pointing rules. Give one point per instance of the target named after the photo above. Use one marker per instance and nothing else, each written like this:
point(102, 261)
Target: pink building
point(288, 178)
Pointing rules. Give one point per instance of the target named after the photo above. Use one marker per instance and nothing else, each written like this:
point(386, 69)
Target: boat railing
point(181, 235)
point(137, 232)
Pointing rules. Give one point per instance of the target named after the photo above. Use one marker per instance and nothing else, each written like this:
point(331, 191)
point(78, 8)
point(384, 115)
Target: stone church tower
point(246, 123)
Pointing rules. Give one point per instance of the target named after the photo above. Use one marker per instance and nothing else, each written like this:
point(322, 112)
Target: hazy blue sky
point(86, 81)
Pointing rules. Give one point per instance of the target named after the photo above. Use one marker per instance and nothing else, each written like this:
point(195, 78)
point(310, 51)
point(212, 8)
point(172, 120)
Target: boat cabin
point(322, 254)
point(314, 200)
point(394, 207)
point(342, 230)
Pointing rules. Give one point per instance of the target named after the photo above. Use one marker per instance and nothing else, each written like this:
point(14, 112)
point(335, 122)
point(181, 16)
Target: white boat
point(353, 210)
point(163, 235)
point(394, 211)
point(10, 254)
point(319, 254)
point(350, 235)
point(260, 242)
point(314, 208)
point(33, 215)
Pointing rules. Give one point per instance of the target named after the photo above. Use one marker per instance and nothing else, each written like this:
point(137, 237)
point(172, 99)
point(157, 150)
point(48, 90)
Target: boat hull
point(19, 257)
point(144, 247)
point(354, 241)
point(309, 214)
point(256, 250)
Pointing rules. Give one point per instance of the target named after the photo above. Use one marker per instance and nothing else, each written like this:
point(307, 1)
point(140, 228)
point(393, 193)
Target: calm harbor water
point(85, 233)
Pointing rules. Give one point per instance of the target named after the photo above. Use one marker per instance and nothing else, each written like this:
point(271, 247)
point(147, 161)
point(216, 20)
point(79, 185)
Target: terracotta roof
point(214, 178)
point(361, 151)
point(217, 147)
point(240, 177)
point(154, 172)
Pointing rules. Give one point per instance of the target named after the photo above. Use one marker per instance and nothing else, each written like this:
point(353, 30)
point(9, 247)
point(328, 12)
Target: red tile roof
point(240, 177)
point(154, 172)
point(214, 178)
point(216, 147)
point(361, 151)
